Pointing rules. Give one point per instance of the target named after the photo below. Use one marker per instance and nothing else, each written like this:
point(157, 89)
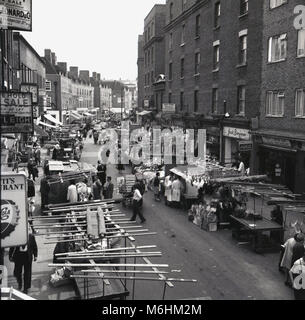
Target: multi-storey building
point(280, 139)
point(141, 76)
point(102, 93)
point(154, 57)
point(213, 70)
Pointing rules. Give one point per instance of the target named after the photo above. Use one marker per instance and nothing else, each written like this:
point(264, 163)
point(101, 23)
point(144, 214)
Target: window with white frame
point(275, 103)
point(241, 100)
point(215, 100)
point(277, 48)
point(276, 3)
point(170, 41)
point(197, 62)
point(183, 34)
point(300, 103)
point(216, 55)
point(244, 6)
point(217, 14)
point(48, 85)
point(243, 44)
point(301, 43)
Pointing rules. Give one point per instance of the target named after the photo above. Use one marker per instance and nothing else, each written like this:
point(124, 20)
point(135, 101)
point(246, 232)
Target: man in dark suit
point(23, 258)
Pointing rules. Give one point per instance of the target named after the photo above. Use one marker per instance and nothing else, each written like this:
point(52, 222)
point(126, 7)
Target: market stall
point(104, 261)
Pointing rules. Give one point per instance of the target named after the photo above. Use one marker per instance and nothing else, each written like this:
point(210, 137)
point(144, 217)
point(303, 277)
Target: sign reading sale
point(16, 112)
point(14, 210)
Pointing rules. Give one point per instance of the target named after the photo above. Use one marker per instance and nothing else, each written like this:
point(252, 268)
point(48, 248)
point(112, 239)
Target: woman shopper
point(297, 278)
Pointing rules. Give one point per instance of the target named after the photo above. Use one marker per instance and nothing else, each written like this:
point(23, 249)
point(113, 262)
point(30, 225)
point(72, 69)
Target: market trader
point(23, 258)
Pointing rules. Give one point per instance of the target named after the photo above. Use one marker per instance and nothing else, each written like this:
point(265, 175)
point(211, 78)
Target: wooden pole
point(125, 271)
point(107, 265)
point(111, 256)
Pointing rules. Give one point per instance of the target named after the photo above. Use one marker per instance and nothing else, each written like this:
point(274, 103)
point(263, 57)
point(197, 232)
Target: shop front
point(283, 160)
point(237, 145)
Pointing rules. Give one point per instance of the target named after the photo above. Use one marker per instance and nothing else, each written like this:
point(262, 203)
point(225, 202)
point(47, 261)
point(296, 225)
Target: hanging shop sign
point(14, 213)
point(146, 103)
point(16, 112)
point(278, 142)
point(30, 88)
point(169, 108)
point(236, 133)
point(16, 14)
point(245, 146)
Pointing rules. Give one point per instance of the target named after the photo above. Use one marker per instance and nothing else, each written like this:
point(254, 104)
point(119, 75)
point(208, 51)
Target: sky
point(95, 35)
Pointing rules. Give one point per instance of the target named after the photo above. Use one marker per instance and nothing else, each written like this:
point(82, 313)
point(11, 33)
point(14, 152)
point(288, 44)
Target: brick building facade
point(280, 138)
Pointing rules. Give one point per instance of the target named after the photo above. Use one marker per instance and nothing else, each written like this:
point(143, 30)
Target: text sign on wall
point(33, 89)
point(245, 146)
point(236, 133)
point(16, 14)
point(14, 211)
point(16, 112)
point(169, 108)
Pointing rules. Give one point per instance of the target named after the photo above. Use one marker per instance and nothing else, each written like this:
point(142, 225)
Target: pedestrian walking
point(97, 189)
point(156, 187)
point(136, 205)
point(168, 190)
point(108, 189)
point(37, 155)
point(44, 191)
point(72, 195)
point(101, 172)
point(176, 191)
point(32, 169)
point(23, 258)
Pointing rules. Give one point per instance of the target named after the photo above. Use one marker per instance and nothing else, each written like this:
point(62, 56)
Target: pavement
point(224, 269)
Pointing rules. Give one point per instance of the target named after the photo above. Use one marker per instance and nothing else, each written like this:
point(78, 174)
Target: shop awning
point(144, 113)
point(40, 132)
point(280, 134)
point(87, 114)
point(46, 125)
point(52, 119)
point(75, 115)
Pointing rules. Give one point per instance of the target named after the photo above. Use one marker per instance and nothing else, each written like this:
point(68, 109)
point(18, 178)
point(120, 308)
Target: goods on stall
point(61, 277)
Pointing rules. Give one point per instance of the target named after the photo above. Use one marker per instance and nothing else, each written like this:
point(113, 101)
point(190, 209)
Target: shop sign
point(16, 15)
point(169, 108)
point(14, 211)
point(16, 112)
point(245, 146)
point(278, 142)
point(236, 133)
point(30, 88)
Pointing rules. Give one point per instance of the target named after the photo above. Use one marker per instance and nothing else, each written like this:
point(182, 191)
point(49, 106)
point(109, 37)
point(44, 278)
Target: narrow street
point(224, 269)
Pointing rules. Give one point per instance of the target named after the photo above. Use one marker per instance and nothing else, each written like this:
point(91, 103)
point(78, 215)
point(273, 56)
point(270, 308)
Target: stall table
point(255, 229)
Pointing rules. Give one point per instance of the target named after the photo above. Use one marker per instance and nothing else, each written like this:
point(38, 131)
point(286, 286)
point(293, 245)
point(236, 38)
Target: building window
point(170, 41)
point(275, 103)
point(152, 55)
point(197, 30)
point(48, 85)
point(197, 63)
point(217, 15)
point(276, 3)
point(243, 40)
point(300, 103)
point(181, 100)
point(183, 2)
point(146, 36)
point(183, 35)
point(152, 29)
point(301, 43)
point(170, 71)
point(196, 101)
point(277, 48)
point(171, 7)
point(148, 33)
point(244, 6)
point(241, 100)
point(215, 100)
point(148, 58)
point(145, 59)
point(216, 57)
point(170, 97)
point(152, 77)
point(182, 68)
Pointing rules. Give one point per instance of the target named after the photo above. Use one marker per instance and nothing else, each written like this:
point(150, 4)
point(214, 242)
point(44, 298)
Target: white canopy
point(46, 125)
point(52, 119)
